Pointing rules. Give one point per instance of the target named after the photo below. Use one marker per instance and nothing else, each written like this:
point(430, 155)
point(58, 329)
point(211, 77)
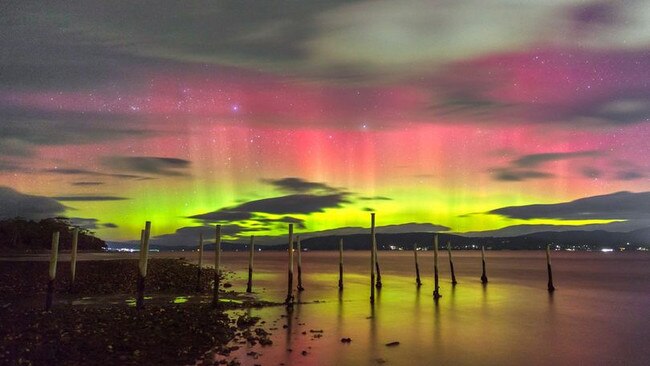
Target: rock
point(346, 340)
point(392, 344)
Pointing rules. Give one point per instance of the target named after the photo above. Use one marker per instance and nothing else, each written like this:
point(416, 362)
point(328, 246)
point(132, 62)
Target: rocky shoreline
point(103, 332)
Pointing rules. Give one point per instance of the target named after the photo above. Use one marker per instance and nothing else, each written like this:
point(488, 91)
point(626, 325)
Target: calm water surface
point(599, 315)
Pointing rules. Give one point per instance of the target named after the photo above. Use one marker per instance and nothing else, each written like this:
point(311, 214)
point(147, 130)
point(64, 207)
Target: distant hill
point(21, 235)
point(578, 240)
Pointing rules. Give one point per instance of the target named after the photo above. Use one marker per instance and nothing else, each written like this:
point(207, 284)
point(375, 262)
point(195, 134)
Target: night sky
point(457, 116)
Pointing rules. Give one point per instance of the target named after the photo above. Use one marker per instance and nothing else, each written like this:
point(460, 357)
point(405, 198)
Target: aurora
point(258, 114)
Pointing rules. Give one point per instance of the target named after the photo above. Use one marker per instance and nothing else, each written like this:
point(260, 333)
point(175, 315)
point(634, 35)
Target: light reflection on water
point(598, 315)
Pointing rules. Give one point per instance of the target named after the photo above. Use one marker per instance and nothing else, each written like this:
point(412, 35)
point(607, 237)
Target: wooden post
point(144, 257)
point(54, 257)
point(436, 288)
point(251, 249)
point(372, 258)
point(139, 297)
point(299, 249)
point(199, 287)
point(374, 243)
point(551, 288)
point(289, 300)
point(73, 257)
point(341, 264)
point(484, 278)
point(217, 266)
point(451, 264)
point(417, 266)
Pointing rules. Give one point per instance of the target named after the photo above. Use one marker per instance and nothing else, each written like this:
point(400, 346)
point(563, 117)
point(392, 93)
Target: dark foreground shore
point(94, 322)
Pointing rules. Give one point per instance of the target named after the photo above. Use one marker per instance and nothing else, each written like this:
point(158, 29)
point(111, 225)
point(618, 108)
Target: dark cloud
point(290, 204)
point(6, 166)
point(629, 175)
point(622, 108)
point(149, 165)
point(474, 87)
point(87, 183)
point(51, 51)
point(223, 215)
point(295, 204)
point(84, 223)
point(299, 223)
point(590, 172)
point(614, 206)
point(298, 185)
point(22, 130)
point(459, 96)
point(535, 160)
point(13, 204)
point(73, 171)
point(527, 167)
point(81, 198)
point(189, 235)
point(518, 175)
point(375, 198)
point(74, 45)
point(600, 13)
point(90, 223)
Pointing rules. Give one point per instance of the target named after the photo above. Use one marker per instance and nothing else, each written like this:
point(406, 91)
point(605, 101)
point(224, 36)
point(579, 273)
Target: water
point(599, 314)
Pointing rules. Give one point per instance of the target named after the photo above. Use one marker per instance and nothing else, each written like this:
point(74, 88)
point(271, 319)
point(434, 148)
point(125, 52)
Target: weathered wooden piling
point(144, 257)
point(551, 288)
point(451, 264)
point(341, 264)
point(299, 250)
point(484, 278)
point(417, 266)
point(217, 266)
point(199, 270)
point(289, 300)
point(251, 250)
point(377, 267)
point(372, 258)
point(73, 257)
point(436, 288)
point(54, 257)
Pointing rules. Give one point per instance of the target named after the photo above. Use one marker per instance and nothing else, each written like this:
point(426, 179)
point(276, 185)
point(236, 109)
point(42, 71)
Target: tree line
point(19, 234)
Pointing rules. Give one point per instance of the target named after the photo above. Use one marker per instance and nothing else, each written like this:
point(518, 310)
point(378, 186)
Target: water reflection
point(471, 324)
point(289, 328)
point(372, 337)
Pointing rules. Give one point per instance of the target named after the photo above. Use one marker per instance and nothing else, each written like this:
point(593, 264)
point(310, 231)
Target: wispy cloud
point(74, 171)
point(14, 203)
point(172, 167)
point(527, 167)
point(535, 160)
point(81, 198)
point(299, 185)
